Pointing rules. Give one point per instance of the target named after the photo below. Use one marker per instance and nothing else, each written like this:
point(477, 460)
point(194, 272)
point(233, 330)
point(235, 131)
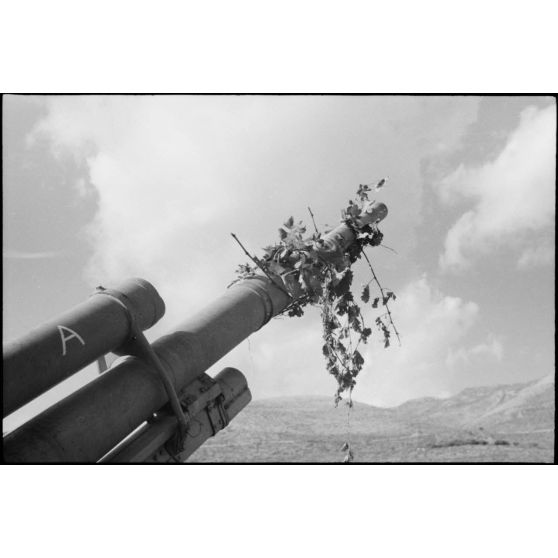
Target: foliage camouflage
point(299, 265)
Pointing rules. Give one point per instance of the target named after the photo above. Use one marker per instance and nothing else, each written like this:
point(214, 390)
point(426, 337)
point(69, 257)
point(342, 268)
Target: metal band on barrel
point(124, 301)
point(264, 297)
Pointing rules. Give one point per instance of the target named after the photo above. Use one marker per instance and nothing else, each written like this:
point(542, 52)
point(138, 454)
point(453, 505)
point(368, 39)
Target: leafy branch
point(311, 274)
point(245, 270)
point(386, 295)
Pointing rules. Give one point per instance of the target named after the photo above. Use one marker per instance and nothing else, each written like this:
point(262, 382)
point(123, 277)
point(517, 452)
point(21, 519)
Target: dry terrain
point(507, 423)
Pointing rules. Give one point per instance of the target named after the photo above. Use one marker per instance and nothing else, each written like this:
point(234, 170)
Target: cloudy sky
point(97, 189)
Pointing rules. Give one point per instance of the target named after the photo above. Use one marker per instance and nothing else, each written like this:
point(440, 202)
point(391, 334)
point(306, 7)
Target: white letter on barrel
point(71, 336)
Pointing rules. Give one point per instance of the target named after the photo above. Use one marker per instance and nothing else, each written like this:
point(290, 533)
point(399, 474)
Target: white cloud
point(431, 324)
point(512, 194)
point(537, 256)
point(464, 356)
point(495, 349)
point(165, 192)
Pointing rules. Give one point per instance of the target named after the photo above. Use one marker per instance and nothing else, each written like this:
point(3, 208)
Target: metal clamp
point(218, 417)
point(211, 399)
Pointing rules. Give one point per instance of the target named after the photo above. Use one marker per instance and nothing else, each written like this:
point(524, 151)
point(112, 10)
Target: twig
point(383, 297)
point(350, 335)
point(388, 248)
point(340, 361)
point(312, 215)
point(256, 261)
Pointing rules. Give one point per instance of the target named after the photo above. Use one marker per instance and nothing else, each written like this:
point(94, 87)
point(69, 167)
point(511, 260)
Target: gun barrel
point(61, 347)
point(148, 445)
point(87, 424)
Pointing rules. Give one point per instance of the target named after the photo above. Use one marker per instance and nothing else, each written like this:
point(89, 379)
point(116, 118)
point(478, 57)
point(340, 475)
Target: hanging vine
point(309, 274)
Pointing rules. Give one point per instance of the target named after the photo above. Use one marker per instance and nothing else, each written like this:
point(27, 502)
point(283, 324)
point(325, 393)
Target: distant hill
point(493, 406)
point(505, 423)
point(532, 405)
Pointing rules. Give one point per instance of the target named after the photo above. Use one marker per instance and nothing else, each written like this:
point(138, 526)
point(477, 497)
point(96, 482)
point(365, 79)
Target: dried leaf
point(357, 359)
point(381, 183)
